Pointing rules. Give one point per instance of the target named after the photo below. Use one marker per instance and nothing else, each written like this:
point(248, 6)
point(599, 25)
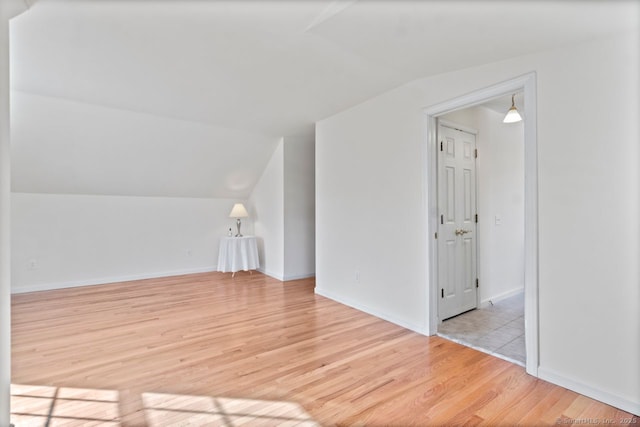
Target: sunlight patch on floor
point(40, 406)
point(170, 409)
point(33, 405)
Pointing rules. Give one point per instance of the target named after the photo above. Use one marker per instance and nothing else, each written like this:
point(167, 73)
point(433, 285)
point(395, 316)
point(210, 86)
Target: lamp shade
point(238, 211)
point(512, 115)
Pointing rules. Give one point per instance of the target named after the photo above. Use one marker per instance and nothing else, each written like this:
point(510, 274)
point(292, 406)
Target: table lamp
point(238, 211)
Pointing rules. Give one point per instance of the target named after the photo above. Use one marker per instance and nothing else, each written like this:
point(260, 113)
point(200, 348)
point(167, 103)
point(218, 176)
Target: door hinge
point(476, 218)
point(441, 219)
point(442, 292)
point(477, 283)
point(441, 146)
point(476, 153)
point(436, 235)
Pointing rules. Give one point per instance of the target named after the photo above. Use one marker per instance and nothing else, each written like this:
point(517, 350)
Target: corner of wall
point(299, 207)
point(266, 204)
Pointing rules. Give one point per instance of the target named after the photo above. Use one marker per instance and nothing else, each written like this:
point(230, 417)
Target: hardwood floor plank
point(250, 350)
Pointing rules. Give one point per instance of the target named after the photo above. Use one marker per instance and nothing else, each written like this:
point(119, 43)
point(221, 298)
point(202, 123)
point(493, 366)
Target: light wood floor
point(207, 349)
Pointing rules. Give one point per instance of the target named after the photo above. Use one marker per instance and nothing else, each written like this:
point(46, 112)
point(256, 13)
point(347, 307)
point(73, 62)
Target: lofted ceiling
point(265, 68)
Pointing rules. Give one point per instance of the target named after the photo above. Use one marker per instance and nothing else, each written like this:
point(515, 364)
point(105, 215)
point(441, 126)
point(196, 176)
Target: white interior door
point(457, 226)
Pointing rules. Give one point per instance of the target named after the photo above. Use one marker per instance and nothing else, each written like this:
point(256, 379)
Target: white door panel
point(457, 229)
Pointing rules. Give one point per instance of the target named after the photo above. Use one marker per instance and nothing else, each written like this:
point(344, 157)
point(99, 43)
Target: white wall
point(266, 207)
point(299, 207)
point(371, 213)
point(7, 10)
point(67, 147)
point(371, 250)
point(72, 240)
point(283, 206)
point(157, 190)
point(500, 184)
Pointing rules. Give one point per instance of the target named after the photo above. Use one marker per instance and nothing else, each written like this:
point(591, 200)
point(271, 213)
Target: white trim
point(531, 312)
point(528, 83)
point(482, 95)
point(5, 223)
point(108, 280)
point(271, 274)
point(358, 306)
point(286, 278)
point(499, 297)
point(298, 276)
point(431, 199)
point(587, 390)
point(458, 126)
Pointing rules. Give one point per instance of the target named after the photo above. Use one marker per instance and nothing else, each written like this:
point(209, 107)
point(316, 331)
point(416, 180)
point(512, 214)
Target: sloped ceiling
point(501, 104)
point(228, 79)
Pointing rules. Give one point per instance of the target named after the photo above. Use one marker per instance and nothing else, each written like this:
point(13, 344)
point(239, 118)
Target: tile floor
point(497, 329)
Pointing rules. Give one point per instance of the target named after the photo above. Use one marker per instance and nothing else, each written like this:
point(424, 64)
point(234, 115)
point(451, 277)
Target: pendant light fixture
point(512, 115)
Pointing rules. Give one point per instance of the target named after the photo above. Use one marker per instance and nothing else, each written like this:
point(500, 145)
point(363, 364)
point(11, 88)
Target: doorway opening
point(489, 260)
point(525, 85)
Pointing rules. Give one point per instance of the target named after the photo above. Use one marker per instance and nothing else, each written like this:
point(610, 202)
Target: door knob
point(461, 231)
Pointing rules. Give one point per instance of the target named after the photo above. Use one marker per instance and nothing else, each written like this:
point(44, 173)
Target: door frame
point(527, 84)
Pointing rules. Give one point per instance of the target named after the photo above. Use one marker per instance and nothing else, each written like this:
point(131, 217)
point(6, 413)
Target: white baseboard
point(499, 297)
point(286, 278)
point(298, 276)
point(106, 280)
point(271, 274)
point(589, 391)
point(421, 329)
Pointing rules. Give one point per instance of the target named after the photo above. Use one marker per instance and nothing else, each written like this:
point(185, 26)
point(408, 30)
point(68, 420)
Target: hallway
point(497, 329)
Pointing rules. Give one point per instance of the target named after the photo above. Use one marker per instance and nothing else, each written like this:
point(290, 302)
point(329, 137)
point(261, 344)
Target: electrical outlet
point(32, 265)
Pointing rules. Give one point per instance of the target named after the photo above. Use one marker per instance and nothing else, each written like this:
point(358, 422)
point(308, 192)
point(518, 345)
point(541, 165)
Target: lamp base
point(238, 224)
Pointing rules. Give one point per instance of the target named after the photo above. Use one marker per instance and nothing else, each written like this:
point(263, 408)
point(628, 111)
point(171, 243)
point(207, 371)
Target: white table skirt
point(238, 253)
